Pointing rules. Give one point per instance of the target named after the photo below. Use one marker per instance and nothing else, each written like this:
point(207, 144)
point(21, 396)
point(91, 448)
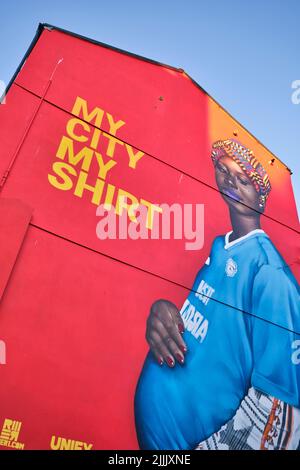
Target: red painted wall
point(73, 308)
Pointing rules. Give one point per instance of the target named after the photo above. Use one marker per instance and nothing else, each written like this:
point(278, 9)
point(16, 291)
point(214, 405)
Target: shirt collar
point(229, 244)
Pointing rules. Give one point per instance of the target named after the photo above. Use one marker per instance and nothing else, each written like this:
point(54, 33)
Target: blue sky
point(245, 54)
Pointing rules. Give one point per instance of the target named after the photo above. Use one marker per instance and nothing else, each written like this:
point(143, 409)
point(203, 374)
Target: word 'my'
point(86, 157)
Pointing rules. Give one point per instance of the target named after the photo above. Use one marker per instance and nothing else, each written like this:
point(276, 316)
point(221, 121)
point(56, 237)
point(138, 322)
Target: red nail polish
point(183, 349)
point(179, 358)
point(181, 328)
point(170, 361)
point(160, 361)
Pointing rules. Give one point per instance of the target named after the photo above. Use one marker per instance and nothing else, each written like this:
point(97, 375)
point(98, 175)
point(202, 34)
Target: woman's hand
point(163, 333)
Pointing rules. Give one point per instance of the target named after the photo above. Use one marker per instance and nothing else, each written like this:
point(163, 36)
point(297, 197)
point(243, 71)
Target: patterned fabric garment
point(261, 423)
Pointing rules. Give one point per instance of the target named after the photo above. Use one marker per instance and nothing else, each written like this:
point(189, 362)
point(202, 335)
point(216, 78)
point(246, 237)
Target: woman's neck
point(243, 224)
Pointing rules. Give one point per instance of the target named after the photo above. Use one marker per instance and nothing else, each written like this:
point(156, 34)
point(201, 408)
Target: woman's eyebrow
point(241, 173)
point(236, 172)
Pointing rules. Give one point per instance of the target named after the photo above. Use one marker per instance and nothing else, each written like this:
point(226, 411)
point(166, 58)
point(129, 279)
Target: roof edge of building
point(51, 27)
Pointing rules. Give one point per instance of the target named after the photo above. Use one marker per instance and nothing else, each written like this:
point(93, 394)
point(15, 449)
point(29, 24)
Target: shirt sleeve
point(275, 322)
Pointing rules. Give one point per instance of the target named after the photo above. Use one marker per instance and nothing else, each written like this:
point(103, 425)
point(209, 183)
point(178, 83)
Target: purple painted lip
point(232, 194)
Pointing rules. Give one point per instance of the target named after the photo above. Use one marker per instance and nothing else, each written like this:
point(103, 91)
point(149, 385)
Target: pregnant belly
point(176, 408)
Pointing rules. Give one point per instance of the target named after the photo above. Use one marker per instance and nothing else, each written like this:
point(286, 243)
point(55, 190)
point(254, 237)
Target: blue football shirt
point(243, 289)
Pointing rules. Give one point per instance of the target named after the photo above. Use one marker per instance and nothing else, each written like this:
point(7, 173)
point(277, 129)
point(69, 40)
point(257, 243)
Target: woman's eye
point(244, 182)
point(221, 169)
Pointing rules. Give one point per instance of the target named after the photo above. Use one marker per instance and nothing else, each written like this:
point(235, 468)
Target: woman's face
point(236, 187)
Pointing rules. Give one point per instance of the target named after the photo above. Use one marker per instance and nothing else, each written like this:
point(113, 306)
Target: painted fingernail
point(160, 361)
point(179, 358)
point(181, 328)
point(170, 361)
point(183, 348)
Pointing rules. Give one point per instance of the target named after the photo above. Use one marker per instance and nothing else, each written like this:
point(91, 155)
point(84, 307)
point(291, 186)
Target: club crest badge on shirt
point(231, 268)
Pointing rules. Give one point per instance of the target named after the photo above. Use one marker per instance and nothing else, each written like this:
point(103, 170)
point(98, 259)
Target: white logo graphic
point(231, 267)
point(194, 321)
point(296, 354)
point(296, 93)
point(204, 292)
